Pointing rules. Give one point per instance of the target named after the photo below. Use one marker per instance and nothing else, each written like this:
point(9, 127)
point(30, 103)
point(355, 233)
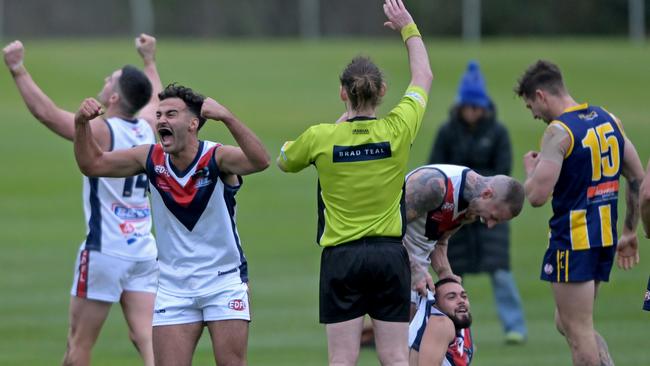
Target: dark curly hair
point(540, 75)
point(192, 100)
point(134, 88)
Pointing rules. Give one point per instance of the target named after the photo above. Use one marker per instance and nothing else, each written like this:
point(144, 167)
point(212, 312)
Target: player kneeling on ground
point(439, 334)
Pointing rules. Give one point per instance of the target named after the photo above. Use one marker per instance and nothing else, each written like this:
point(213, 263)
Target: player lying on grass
point(117, 260)
point(439, 333)
point(203, 271)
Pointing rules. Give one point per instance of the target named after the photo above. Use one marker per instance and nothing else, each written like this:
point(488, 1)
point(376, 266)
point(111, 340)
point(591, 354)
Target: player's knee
point(141, 339)
point(393, 357)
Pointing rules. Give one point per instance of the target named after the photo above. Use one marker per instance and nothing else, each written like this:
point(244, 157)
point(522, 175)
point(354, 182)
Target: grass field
point(279, 88)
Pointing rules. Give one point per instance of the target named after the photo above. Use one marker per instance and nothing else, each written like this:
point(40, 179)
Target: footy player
point(584, 153)
point(203, 270)
point(117, 260)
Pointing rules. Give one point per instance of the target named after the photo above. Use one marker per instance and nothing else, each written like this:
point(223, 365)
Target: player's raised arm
point(39, 104)
point(146, 47)
point(250, 157)
point(399, 19)
point(627, 247)
point(644, 202)
point(92, 160)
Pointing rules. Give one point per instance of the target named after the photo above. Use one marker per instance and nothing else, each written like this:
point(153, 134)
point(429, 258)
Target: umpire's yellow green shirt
point(361, 167)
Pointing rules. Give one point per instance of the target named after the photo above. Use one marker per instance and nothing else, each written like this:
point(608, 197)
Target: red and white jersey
point(459, 352)
point(423, 233)
point(194, 214)
point(117, 212)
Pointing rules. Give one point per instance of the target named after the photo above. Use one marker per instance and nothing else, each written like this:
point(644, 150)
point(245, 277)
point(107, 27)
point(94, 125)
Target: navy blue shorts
point(646, 298)
point(578, 265)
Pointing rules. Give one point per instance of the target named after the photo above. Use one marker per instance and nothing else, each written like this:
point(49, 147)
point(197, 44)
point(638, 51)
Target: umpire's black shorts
point(371, 276)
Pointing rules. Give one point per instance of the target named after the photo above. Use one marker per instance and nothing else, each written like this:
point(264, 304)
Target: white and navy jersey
point(459, 352)
point(423, 233)
point(194, 214)
point(118, 216)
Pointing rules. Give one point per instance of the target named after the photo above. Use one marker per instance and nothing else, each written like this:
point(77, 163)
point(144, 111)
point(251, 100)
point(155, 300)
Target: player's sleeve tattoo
point(425, 191)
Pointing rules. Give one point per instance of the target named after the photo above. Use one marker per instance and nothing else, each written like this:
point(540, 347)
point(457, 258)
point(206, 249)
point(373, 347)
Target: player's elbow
point(536, 201)
point(644, 195)
point(264, 163)
point(536, 198)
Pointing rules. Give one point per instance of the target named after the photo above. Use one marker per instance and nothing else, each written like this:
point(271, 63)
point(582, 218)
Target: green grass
point(279, 88)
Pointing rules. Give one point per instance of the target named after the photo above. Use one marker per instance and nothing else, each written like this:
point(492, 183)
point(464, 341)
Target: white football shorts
point(228, 303)
point(102, 277)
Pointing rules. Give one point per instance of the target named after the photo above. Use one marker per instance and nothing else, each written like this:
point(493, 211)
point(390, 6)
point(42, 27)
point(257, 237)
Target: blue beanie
point(471, 90)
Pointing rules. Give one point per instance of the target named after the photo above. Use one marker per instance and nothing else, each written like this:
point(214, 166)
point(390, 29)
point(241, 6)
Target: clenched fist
point(89, 110)
point(146, 46)
point(14, 53)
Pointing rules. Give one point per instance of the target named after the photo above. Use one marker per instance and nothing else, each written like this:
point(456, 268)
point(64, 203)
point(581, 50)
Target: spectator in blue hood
point(474, 138)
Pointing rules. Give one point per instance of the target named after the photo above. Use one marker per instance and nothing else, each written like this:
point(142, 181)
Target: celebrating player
point(361, 164)
point(584, 152)
point(203, 271)
point(439, 334)
point(117, 261)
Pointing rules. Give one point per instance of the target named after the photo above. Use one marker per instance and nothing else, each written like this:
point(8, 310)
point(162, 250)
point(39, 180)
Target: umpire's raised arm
point(399, 19)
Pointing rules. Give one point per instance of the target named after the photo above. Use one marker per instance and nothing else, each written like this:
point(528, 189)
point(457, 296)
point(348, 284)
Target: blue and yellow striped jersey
point(586, 193)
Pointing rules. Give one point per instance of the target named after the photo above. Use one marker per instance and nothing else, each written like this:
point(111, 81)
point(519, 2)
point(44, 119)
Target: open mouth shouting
point(166, 136)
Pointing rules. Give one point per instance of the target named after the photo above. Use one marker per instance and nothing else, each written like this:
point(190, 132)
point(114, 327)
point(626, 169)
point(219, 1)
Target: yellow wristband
point(410, 30)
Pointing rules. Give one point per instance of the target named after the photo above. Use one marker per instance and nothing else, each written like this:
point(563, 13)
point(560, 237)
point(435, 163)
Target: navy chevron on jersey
point(459, 352)
point(117, 212)
point(194, 215)
point(586, 194)
point(423, 232)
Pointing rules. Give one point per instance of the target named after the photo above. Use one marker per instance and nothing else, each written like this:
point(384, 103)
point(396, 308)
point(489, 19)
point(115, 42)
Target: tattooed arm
point(627, 248)
point(425, 191)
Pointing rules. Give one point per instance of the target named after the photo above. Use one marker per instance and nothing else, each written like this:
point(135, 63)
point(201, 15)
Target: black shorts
point(366, 276)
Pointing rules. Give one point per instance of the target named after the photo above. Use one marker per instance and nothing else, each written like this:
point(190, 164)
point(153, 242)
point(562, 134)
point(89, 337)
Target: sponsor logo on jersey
point(365, 152)
point(160, 311)
point(202, 182)
point(127, 228)
point(131, 213)
point(447, 206)
point(203, 176)
point(237, 305)
point(161, 170)
point(548, 268)
point(589, 116)
point(360, 131)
